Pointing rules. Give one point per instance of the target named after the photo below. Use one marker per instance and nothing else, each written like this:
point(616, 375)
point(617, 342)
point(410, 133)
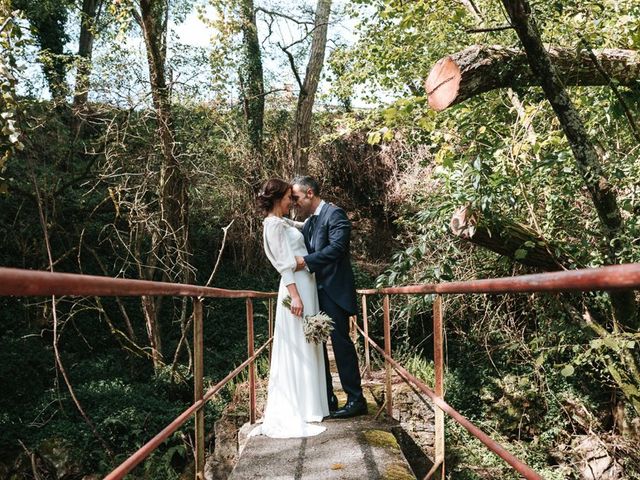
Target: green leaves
point(539, 361)
point(567, 371)
point(374, 138)
point(520, 254)
point(399, 41)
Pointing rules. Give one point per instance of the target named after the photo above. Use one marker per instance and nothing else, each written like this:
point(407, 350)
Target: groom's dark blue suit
point(327, 239)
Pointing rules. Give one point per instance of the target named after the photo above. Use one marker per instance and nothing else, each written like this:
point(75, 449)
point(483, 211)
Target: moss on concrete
point(380, 438)
point(398, 471)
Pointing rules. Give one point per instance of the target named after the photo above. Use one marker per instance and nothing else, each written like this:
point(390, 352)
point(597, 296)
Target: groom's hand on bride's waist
point(300, 264)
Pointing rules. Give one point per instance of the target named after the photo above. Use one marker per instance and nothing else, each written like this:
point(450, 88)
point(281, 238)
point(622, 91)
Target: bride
point(297, 393)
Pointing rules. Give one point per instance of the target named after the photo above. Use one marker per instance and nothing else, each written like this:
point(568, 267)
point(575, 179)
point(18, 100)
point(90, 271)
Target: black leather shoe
point(333, 403)
point(353, 408)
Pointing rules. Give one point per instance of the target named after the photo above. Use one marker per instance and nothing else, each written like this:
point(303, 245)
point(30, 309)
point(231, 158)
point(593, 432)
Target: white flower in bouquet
point(317, 328)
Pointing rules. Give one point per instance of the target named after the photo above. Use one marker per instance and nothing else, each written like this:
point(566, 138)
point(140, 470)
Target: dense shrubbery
point(85, 213)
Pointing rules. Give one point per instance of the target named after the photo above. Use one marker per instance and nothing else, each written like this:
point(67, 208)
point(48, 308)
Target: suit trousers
point(343, 349)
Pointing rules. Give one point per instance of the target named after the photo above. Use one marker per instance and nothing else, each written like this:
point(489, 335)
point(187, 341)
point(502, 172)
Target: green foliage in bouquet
point(317, 328)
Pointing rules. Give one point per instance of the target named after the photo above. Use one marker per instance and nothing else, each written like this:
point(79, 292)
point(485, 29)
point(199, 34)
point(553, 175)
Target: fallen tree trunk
point(505, 237)
point(479, 69)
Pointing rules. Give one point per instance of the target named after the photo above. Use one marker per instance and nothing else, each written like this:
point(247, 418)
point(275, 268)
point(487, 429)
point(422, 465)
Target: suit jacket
point(329, 256)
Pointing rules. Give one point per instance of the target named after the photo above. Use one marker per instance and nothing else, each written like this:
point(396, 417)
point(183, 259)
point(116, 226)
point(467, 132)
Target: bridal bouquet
point(317, 328)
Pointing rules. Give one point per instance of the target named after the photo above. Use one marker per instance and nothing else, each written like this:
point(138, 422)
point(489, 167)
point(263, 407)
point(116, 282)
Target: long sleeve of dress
point(278, 250)
point(293, 223)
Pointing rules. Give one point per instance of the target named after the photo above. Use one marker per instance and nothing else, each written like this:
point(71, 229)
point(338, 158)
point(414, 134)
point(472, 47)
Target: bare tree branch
point(292, 62)
point(5, 23)
point(272, 14)
point(307, 35)
point(489, 29)
point(473, 9)
point(58, 359)
point(224, 241)
point(31, 455)
point(185, 329)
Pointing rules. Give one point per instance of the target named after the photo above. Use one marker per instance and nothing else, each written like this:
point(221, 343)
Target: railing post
point(387, 350)
point(198, 390)
point(438, 359)
point(252, 365)
point(365, 326)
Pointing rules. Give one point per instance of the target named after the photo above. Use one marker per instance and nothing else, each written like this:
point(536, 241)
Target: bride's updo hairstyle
point(272, 191)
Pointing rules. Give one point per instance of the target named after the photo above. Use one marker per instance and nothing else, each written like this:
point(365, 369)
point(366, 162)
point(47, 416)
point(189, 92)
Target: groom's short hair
point(307, 182)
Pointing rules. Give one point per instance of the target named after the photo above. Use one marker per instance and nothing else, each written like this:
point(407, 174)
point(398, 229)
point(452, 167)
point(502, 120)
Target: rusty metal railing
point(32, 283)
point(617, 277)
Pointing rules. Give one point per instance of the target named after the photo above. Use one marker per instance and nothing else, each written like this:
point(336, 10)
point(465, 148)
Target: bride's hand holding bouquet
point(317, 328)
point(295, 305)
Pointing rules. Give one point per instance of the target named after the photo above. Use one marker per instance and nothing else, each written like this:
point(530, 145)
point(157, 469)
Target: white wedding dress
point(297, 392)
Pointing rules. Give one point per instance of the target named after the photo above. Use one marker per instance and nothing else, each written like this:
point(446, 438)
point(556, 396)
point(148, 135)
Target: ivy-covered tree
point(10, 41)
point(251, 75)
point(48, 21)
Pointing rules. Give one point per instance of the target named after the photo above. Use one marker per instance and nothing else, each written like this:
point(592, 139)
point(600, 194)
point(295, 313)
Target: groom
point(326, 235)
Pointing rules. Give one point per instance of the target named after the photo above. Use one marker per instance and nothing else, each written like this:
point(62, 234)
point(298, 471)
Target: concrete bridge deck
point(359, 448)
point(362, 448)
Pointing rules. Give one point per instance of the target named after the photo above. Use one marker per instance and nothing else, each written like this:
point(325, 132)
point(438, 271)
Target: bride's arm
point(293, 223)
point(282, 258)
point(278, 251)
point(297, 306)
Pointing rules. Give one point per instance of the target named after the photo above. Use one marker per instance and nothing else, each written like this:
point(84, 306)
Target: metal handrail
point(526, 471)
point(20, 282)
point(15, 281)
point(615, 277)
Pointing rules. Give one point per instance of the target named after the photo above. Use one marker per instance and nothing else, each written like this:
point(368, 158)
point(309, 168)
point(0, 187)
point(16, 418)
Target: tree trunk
point(10, 132)
point(173, 184)
point(479, 69)
point(171, 241)
point(587, 159)
point(626, 373)
point(251, 76)
point(85, 51)
point(150, 305)
point(302, 127)
point(505, 237)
